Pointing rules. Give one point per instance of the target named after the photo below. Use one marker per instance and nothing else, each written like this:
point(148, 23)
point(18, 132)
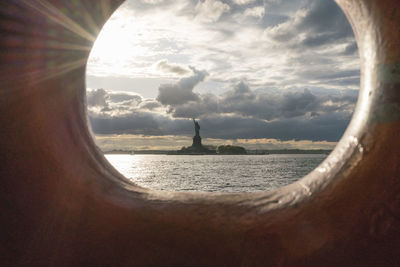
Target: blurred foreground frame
point(62, 204)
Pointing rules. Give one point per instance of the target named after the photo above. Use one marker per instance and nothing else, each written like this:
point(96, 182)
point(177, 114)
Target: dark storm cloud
point(328, 127)
point(205, 104)
point(106, 103)
point(273, 106)
point(97, 98)
point(103, 98)
point(270, 20)
point(242, 101)
point(324, 16)
point(182, 91)
point(133, 123)
point(140, 122)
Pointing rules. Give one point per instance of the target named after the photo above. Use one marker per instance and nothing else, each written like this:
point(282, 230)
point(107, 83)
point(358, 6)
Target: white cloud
point(243, 2)
point(210, 10)
point(257, 12)
point(153, 2)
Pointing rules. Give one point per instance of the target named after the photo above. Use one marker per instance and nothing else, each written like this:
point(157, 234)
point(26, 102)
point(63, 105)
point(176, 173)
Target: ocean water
point(214, 173)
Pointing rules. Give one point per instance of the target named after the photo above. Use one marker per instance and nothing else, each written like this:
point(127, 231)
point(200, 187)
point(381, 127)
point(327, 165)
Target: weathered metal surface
point(62, 203)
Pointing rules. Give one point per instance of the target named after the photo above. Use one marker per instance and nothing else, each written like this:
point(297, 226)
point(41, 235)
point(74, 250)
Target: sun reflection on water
point(211, 173)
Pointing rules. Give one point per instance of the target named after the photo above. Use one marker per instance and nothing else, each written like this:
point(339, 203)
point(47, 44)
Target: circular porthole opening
point(221, 97)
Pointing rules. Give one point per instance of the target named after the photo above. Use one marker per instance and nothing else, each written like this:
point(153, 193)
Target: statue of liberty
point(196, 138)
point(196, 127)
point(196, 148)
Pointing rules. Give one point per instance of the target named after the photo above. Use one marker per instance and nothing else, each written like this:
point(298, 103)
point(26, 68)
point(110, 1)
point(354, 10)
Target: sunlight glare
point(118, 44)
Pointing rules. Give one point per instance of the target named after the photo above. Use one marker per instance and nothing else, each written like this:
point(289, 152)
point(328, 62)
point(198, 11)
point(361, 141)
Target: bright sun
point(118, 44)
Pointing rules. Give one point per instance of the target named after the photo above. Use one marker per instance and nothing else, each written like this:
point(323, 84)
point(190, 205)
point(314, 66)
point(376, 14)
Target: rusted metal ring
point(63, 204)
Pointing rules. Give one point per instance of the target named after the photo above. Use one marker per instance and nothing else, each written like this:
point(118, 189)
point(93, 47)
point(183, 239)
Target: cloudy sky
point(258, 73)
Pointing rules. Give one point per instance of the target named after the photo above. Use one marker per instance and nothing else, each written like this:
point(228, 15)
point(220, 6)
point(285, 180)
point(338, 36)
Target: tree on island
point(233, 150)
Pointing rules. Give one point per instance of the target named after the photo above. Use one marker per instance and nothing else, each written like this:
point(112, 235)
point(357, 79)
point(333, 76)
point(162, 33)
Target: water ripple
point(214, 173)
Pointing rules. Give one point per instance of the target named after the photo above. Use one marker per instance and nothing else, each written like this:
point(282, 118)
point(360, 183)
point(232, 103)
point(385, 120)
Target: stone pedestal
point(196, 141)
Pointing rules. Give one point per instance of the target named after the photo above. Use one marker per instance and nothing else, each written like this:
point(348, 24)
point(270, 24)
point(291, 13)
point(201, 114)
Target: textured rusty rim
point(63, 204)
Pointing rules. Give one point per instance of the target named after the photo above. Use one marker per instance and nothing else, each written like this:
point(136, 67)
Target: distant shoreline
point(249, 152)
